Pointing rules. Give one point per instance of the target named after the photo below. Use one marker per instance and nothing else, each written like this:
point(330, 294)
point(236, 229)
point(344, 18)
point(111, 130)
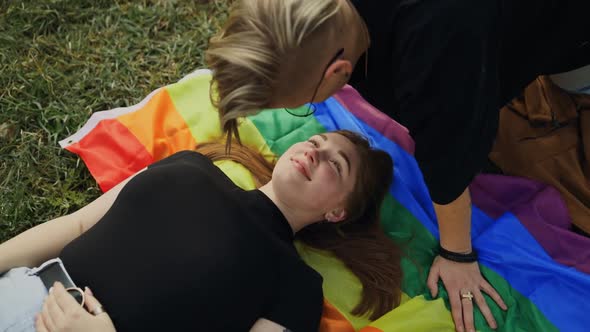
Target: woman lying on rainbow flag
point(543, 283)
point(159, 278)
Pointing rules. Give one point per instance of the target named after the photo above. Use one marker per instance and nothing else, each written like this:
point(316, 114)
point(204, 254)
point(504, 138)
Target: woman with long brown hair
point(248, 57)
point(359, 242)
point(188, 249)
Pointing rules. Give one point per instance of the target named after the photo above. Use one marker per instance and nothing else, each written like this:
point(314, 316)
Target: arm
point(265, 325)
point(46, 240)
point(454, 223)
point(447, 92)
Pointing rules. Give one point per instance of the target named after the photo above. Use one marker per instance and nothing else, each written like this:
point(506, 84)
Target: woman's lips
point(301, 168)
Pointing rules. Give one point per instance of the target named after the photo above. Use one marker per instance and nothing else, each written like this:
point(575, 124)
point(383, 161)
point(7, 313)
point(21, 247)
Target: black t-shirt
point(184, 249)
point(444, 68)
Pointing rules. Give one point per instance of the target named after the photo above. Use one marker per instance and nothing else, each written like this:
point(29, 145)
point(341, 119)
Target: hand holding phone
point(53, 270)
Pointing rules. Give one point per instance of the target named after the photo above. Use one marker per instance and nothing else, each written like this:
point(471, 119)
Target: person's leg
point(21, 298)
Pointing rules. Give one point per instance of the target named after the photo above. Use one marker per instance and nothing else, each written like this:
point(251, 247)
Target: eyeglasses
point(303, 111)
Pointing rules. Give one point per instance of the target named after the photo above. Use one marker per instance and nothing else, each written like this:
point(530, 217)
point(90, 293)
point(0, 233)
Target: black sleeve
point(446, 88)
point(198, 162)
point(186, 155)
point(298, 302)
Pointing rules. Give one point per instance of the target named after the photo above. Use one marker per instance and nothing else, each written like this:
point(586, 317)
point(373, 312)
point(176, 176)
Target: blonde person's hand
point(62, 313)
point(460, 278)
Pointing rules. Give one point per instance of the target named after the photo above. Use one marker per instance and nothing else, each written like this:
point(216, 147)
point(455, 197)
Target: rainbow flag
point(541, 270)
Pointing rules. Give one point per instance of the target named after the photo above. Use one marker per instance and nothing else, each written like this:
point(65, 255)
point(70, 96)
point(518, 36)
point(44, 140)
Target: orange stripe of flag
point(333, 320)
point(159, 127)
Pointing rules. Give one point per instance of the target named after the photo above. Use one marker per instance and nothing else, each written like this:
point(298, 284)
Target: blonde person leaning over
point(186, 249)
point(283, 54)
point(442, 68)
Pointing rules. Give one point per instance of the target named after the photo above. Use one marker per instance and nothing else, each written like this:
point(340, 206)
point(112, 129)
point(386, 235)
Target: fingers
point(53, 310)
point(46, 317)
point(91, 301)
point(64, 300)
point(486, 287)
point(456, 310)
point(39, 324)
point(468, 314)
point(432, 281)
point(459, 279)
point(483, 307)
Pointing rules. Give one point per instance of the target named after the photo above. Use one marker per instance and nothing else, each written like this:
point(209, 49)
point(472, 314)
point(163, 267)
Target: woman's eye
point(337, 164)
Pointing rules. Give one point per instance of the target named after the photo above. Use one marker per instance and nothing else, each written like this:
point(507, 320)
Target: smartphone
point(53, 270)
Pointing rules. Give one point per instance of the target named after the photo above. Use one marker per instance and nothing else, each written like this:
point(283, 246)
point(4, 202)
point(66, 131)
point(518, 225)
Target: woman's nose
point(312, 155)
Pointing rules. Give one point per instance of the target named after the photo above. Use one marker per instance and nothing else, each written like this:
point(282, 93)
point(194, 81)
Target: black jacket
point(444, 68)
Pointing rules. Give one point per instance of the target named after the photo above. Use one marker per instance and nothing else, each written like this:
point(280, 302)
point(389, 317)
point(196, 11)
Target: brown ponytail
point(370, 255)
point(359, 241)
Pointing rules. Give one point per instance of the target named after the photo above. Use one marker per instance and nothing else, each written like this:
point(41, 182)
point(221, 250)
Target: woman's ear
point(339, 69)
point(335, 215)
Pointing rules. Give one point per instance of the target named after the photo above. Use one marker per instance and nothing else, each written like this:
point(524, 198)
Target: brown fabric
point(545, 135)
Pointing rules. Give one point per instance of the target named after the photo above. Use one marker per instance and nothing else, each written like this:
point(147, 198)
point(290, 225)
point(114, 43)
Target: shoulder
point(187, 163)
point(299, 300)
point(185, 157)
point(296, 270)
point(303, 279)
point(184, 170)
point(315, 279)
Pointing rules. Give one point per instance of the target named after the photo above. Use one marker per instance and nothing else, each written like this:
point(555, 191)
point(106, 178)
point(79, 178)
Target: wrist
point(457, 246)
point(459, 257)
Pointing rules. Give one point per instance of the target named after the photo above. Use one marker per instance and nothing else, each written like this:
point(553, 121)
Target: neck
point(296, 217)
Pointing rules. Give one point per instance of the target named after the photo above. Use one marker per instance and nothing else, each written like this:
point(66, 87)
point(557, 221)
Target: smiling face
point(318, 175)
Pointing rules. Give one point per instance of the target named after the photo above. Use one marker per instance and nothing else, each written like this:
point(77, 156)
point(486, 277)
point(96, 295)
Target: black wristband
point(457, 257)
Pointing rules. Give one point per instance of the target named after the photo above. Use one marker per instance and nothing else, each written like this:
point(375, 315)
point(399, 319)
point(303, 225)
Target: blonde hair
point(248, 54)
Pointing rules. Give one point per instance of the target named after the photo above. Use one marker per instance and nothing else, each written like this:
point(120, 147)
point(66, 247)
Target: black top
point(443, 68)
point(184, 249)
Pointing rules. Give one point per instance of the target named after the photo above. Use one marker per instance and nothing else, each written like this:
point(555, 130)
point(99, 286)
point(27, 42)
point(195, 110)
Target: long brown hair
point(358, 241)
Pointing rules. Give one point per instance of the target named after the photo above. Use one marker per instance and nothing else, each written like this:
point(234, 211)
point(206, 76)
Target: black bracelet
point(457, 257)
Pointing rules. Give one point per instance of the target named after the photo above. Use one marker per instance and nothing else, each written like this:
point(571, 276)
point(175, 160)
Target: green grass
point(61, 60)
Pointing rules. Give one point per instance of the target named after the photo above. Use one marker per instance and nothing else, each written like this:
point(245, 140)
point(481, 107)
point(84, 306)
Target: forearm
point(46, 241)
point(454, 223)
point(39, 243)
